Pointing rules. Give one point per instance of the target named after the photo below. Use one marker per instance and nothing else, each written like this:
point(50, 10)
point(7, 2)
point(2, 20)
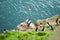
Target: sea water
point(13, 12)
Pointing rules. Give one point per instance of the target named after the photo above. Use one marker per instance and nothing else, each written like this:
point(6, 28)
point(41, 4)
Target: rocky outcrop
point(27, 25)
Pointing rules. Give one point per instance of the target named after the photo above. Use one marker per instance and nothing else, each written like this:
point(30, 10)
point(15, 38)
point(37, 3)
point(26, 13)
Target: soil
point(55, 35)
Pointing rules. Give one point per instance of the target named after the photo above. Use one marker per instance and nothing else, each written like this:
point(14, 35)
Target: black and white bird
point(42, 26)
point(30, 24)
point(57, 21)
point(50, 25)
point(28, 21)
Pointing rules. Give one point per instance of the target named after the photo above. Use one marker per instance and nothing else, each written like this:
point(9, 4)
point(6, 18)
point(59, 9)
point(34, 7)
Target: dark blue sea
point(12, 12)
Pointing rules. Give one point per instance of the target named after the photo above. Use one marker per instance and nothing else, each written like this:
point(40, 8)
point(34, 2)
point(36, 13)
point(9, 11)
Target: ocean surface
point(13, 12)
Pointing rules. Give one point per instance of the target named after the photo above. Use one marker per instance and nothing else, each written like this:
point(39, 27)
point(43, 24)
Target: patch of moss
point(27, 35)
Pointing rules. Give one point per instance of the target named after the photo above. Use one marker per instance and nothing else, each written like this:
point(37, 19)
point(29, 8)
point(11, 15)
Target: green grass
point(27, 35)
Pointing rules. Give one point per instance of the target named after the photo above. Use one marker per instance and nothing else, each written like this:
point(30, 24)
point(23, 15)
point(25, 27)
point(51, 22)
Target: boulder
point(24, 26)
